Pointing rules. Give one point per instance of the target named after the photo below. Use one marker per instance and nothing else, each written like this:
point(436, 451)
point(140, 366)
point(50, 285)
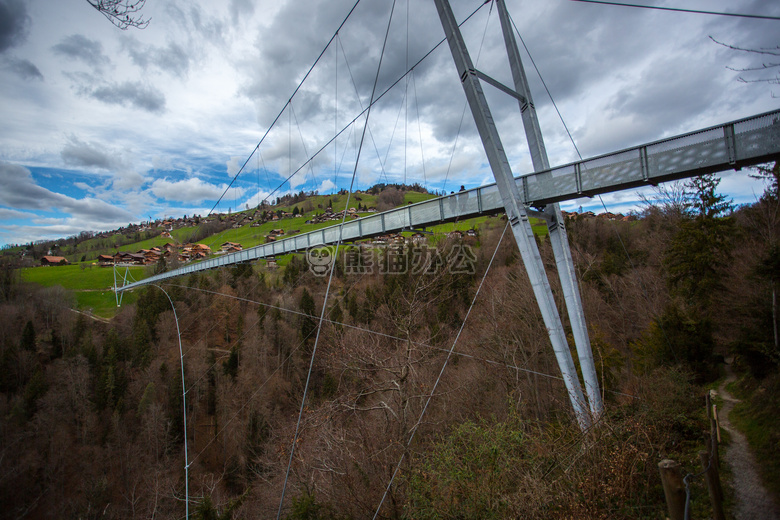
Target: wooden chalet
point(54, 260)
point(230, 247)
point(105, 260)
point(194, 252)
point(125, 257)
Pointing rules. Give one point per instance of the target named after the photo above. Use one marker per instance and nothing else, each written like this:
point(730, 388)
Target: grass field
point(92, 287)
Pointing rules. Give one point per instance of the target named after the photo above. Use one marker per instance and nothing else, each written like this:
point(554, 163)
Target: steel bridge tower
point(518, 213)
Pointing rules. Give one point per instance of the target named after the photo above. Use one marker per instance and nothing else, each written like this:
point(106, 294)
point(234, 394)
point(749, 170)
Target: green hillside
point(92, 285)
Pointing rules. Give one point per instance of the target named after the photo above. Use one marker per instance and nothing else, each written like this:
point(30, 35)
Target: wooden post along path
point(674, 488)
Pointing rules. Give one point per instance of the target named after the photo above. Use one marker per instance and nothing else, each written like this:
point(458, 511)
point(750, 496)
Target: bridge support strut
point(517, 214)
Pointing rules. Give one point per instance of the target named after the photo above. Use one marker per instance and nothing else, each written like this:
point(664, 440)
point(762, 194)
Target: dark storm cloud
point(79, 153)
point(21, 191)
point(288, 55)
point(81, 48)
point(173, 58)
point(241, 9)
point(567, 40)
point(14, 23)
point(300, 33)
point(23, 68)
point(131, 93)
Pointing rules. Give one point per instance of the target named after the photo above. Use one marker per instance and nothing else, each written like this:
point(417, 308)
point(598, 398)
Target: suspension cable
point(419, 129)
point(374, 332)
point(297, 88)
point(358, 116)
point(333, 265)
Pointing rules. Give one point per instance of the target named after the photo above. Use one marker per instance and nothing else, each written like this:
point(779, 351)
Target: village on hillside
point(185, 253)
point(174, 252)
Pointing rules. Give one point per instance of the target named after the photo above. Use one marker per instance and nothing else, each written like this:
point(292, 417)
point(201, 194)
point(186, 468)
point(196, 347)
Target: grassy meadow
point(92, 285)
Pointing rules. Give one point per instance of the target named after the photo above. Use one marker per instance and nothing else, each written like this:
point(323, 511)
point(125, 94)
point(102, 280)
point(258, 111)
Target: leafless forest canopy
point(92, 422)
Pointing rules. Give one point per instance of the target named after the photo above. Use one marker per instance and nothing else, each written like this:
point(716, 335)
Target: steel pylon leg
point(571, 294)
point(515, 210)
point(555, 225)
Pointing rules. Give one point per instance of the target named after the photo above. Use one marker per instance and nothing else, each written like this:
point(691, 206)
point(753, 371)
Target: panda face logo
point(319, 259)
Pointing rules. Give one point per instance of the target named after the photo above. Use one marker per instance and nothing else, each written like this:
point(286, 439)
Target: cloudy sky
point(103, 127)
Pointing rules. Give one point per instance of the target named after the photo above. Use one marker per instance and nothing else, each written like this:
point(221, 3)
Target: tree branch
point(122, 13)
point(774, 51)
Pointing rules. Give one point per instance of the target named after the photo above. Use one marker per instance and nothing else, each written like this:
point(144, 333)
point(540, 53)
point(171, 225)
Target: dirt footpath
point(753, 501)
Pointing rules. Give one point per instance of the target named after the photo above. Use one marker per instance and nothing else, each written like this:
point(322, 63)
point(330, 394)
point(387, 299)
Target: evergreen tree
point(352, 306)
point(230, 367)
point(695, 263)
point(35, 389)
point(308, 322)
point(161, 266)
point(700, 248)
point(146, 399)
point(28, 337)
point(112, 383)
point(56, 345)
point(175, 408)
point(337, 315)
point(211, 378)
point(142, 344)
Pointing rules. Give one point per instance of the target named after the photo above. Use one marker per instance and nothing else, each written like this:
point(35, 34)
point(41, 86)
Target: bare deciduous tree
point(122, 13)
point(771, 66)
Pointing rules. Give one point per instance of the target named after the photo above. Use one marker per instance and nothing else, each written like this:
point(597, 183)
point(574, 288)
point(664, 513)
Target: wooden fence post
point(712, 477)
point(711, 445)
point(674, 488)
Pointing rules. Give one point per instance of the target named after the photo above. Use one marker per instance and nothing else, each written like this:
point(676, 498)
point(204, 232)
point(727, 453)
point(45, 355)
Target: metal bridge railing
point(745, 142)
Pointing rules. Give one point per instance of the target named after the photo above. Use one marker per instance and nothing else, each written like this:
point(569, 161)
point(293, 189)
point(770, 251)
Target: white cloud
point(327, 186)
point(21, 191)
point(84, 154)
point(190, 190)
point(128, 180)
point(8, 214)
point(234, 164)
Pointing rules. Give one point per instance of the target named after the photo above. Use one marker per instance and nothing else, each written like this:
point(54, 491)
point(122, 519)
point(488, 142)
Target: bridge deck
point(733, 145)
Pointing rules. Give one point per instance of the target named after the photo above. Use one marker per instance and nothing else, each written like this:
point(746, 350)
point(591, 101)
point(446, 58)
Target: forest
point(93, 411)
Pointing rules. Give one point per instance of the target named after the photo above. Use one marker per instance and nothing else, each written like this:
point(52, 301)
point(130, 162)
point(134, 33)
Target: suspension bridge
point(728, 146)
point(732, 145)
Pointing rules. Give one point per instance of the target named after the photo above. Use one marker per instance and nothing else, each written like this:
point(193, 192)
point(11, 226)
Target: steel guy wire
point(333, 265)
point(303, 143)
point(184, 406)
point(441, 372)
point(384, 335)
point(679, 10)
point(577, 150)
point(360, 103)
point(419, 129)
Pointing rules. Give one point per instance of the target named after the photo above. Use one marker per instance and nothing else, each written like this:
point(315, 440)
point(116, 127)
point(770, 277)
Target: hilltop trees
point(695, 263)
point(700, 249)
point(105, 401)
point(753, 285)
